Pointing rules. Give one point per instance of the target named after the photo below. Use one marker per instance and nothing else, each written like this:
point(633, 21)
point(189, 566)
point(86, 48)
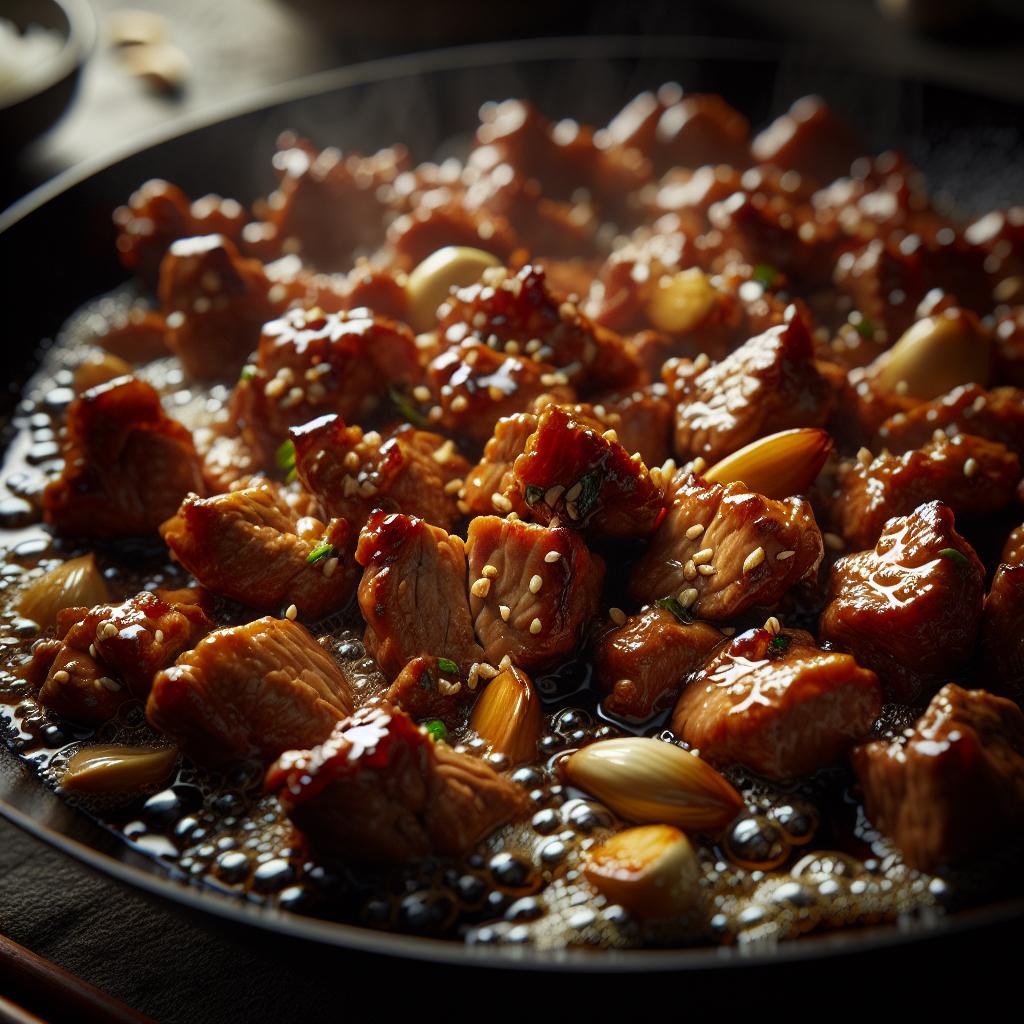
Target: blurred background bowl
point(44, 93)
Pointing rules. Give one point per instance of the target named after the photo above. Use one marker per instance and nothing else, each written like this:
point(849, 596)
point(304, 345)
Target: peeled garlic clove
point(75, 584)
point(648, 780)
point(778, 465)
point(651, 870)
point(934, 356)
point(508, 716)
point(680, 301)
point(454, 266)
point(118, 769)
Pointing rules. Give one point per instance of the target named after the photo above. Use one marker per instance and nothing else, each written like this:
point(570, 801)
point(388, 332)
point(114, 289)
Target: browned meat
point(228, 462)
point(216, 303)
point(953, 787)
point(968, 473)
point(414, 236)
point(413, 593)
point(158, 214)
point(1002, 632)
point(310, 363)
point(909, 609)
point(533, 590)
point(643, 421)
point(767, 385)
point(517, 313)
point(997, 415)
point(352, 472)
point(140, 336)
point(107, 655)
point(586, 478)
point(249, 545)
point(700, 129)
point(722, 549)
point(492, 475)
point(126, 464)
point(434, 688)
point(1013, 549)
point(636, 124)
point(1009, 347)
point(250, 692)
point(379, 790)
point(642, 664)
point(778, 705)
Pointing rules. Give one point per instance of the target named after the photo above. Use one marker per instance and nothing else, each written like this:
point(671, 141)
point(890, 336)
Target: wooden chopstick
point(44, 988)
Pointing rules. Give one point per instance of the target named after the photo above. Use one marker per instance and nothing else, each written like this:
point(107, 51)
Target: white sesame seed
point(687, 597)
point(351, 460)
point(610, 435)
point(487, 671)
point(504, 611)
point(552, 494)
point(459, 403)
point(572, 509)
point(489, 570)
point(367, 489)
point(447, 689)
point(453, 486)
point(970, 467)
point(421, 393)
point(60, 676)
point(668, 467)
point(291, 612)
point(689, 570)
point(694, 531)
point(109, 684)
point(474, 675)
point(753, 560)
point(444, 452)
point(92, 651)
point(698, 465)
point(505, 664)
point(772, 624)
point(554, 523)
point(901, 387)
point(500, 502)
point(864, 457)
point(481, 588)
point(372, 439)
point(636, 457)
point(535, 584)
point(329, 566)
point(105, 631)
point(702, 556)
point(617, 615)
point(552, 556)
point(535, 627)
point(701, 363)
point(574, 492)
point(833, 541)
point(783, 555)
point(706, 570)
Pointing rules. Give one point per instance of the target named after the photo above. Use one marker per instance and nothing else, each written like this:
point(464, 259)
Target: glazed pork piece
point(248, 545)
point(127, 464)
point(1002, 631)
point(722, 549)
point(968, 473)
point(642, 663)
point(431, 688)
point(954, 786)
point(379, 790)
point(250, 693)
point(108, 655)
point(413, 593)
point(490, 485)
point(352, 472)
point(910, 609)
point(533, 590)
point(777, 704)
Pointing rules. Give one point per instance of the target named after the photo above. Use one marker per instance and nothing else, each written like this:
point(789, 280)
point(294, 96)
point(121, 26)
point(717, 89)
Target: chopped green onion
point(779, 643)
point(405, 406)
point(955, 556)
point(865, 327)
point(447, 665)
point(436, 730)
point(286, 460)
point(591, 488)
point(534, 494)
point(765, 274)
point(670, 604)
point(324, 550)
point(248, 372)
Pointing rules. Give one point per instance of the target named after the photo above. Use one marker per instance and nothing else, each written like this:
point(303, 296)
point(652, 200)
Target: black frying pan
point(56, 252)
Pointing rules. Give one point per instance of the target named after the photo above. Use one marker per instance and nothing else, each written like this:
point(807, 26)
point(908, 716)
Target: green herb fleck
point(670, 604)
point(404, 404)
point(436, 730)
point(590, 489)
point(533, 494)
point(765, 274)
point(779, 643)
point(286, 459)
point(865, 327)
point(955, 556)
point(324, 550)
point(447, 665)
point(248, 372)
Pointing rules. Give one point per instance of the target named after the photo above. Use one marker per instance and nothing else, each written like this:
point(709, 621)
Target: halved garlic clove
point(682, 300)
point(428, 285)
point(777, 466)
point(508, 715)
point(650, 870)
point(934, 356)
point(118, 769)
point(75, 584)
point(648, 780)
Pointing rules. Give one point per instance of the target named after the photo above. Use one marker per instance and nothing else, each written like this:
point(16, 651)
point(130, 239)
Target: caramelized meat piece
point(767, 385)
point(777, 705)
point(698, 130)
point(1013, 549)
point(126, 464)
point(910, 609)
point(997, 415)
point(722, 550)
point(352, 473)
point(968, 473)
point(414, 236)
point(1002, 632)
point(643, 421)
point(586, 478)
point(160, 213)
point(955, 786)
point(492, 475)
point(1009, 346)
point(379, 790)
point(413, 593)
point(642, 664)
point(250, 546)
point(310, 363)
point(519, 309)
point(433, 688)
point(636, 124)
point(251, 691)
point(140, 336)
point(533, 590)
point(216, 303)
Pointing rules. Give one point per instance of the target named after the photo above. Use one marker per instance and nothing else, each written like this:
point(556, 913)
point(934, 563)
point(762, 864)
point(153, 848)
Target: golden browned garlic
point(76, 583)
point(117, 769)
point(454, 266)
point(508, 716)
point(778, 465)
point(680, 301)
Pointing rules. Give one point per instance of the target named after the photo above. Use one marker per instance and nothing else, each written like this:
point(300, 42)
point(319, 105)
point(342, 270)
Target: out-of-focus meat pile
point(730, 425)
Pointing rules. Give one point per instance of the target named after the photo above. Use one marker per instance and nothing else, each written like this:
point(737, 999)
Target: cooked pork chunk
point(380, 790)
point(434, 688)
point(642, 664)
point(909, 609)
point(249, 545)
point(735, 549)
point(533, 590)
point(1002, 632)
point(127, 465)
point(968, 473)
point(955, 785)
point(777, 704)
point(492, 475)
point(250, 692)
point(413, 593)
